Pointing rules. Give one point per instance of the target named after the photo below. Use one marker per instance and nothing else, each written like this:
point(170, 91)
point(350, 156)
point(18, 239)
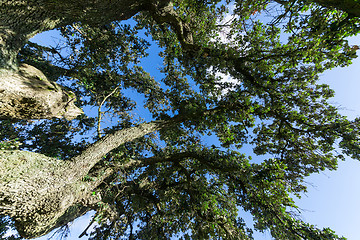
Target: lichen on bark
point(38, 194)
point(41, 193)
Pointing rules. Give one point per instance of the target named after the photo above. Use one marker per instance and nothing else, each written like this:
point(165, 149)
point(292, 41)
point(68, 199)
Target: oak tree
point(244, 73)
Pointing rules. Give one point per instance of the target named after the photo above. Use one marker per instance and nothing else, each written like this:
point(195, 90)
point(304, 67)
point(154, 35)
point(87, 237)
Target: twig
point(100, 112)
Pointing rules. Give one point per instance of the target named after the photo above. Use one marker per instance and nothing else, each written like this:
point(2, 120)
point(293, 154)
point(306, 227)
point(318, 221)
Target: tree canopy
point(160, 153)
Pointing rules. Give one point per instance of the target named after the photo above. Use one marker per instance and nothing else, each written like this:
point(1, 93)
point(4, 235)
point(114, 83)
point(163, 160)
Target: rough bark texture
point(42, 193)
point(88, 158)
point(28, 94)
point(35, 191)
point(21, 20)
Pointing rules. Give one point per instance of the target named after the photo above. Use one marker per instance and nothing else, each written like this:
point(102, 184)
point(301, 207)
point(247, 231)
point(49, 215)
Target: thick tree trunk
point(25, 93)
point(41, 193)
point(35, 191)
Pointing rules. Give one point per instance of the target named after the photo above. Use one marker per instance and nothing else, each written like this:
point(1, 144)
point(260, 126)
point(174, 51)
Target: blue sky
point(333, 201)
point(332, 197)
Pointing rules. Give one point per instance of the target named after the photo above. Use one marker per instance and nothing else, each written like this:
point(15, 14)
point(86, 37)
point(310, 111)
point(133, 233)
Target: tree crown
point(242, 72)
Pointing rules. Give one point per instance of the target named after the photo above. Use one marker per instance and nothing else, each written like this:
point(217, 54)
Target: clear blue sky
point(333, 197)
point(334, 200)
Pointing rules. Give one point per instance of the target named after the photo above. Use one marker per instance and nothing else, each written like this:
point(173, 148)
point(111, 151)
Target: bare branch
point(100, 113)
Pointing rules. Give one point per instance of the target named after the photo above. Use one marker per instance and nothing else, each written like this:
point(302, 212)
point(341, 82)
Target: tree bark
point(28, 94)
point(21, 20)
point(42, 193)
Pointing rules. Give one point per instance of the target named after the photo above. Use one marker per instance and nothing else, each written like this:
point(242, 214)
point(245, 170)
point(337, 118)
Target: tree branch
point(93, 154)
point(101, 113)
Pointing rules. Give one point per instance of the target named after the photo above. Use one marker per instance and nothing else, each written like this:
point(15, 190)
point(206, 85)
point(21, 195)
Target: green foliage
point(175, 183)
point(9, 145)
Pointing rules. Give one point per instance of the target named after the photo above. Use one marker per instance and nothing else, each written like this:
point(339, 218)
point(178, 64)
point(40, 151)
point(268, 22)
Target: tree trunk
point(41, 193)
point(35, 191)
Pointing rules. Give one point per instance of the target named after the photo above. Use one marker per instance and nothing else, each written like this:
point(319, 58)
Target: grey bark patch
point(36, 192)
